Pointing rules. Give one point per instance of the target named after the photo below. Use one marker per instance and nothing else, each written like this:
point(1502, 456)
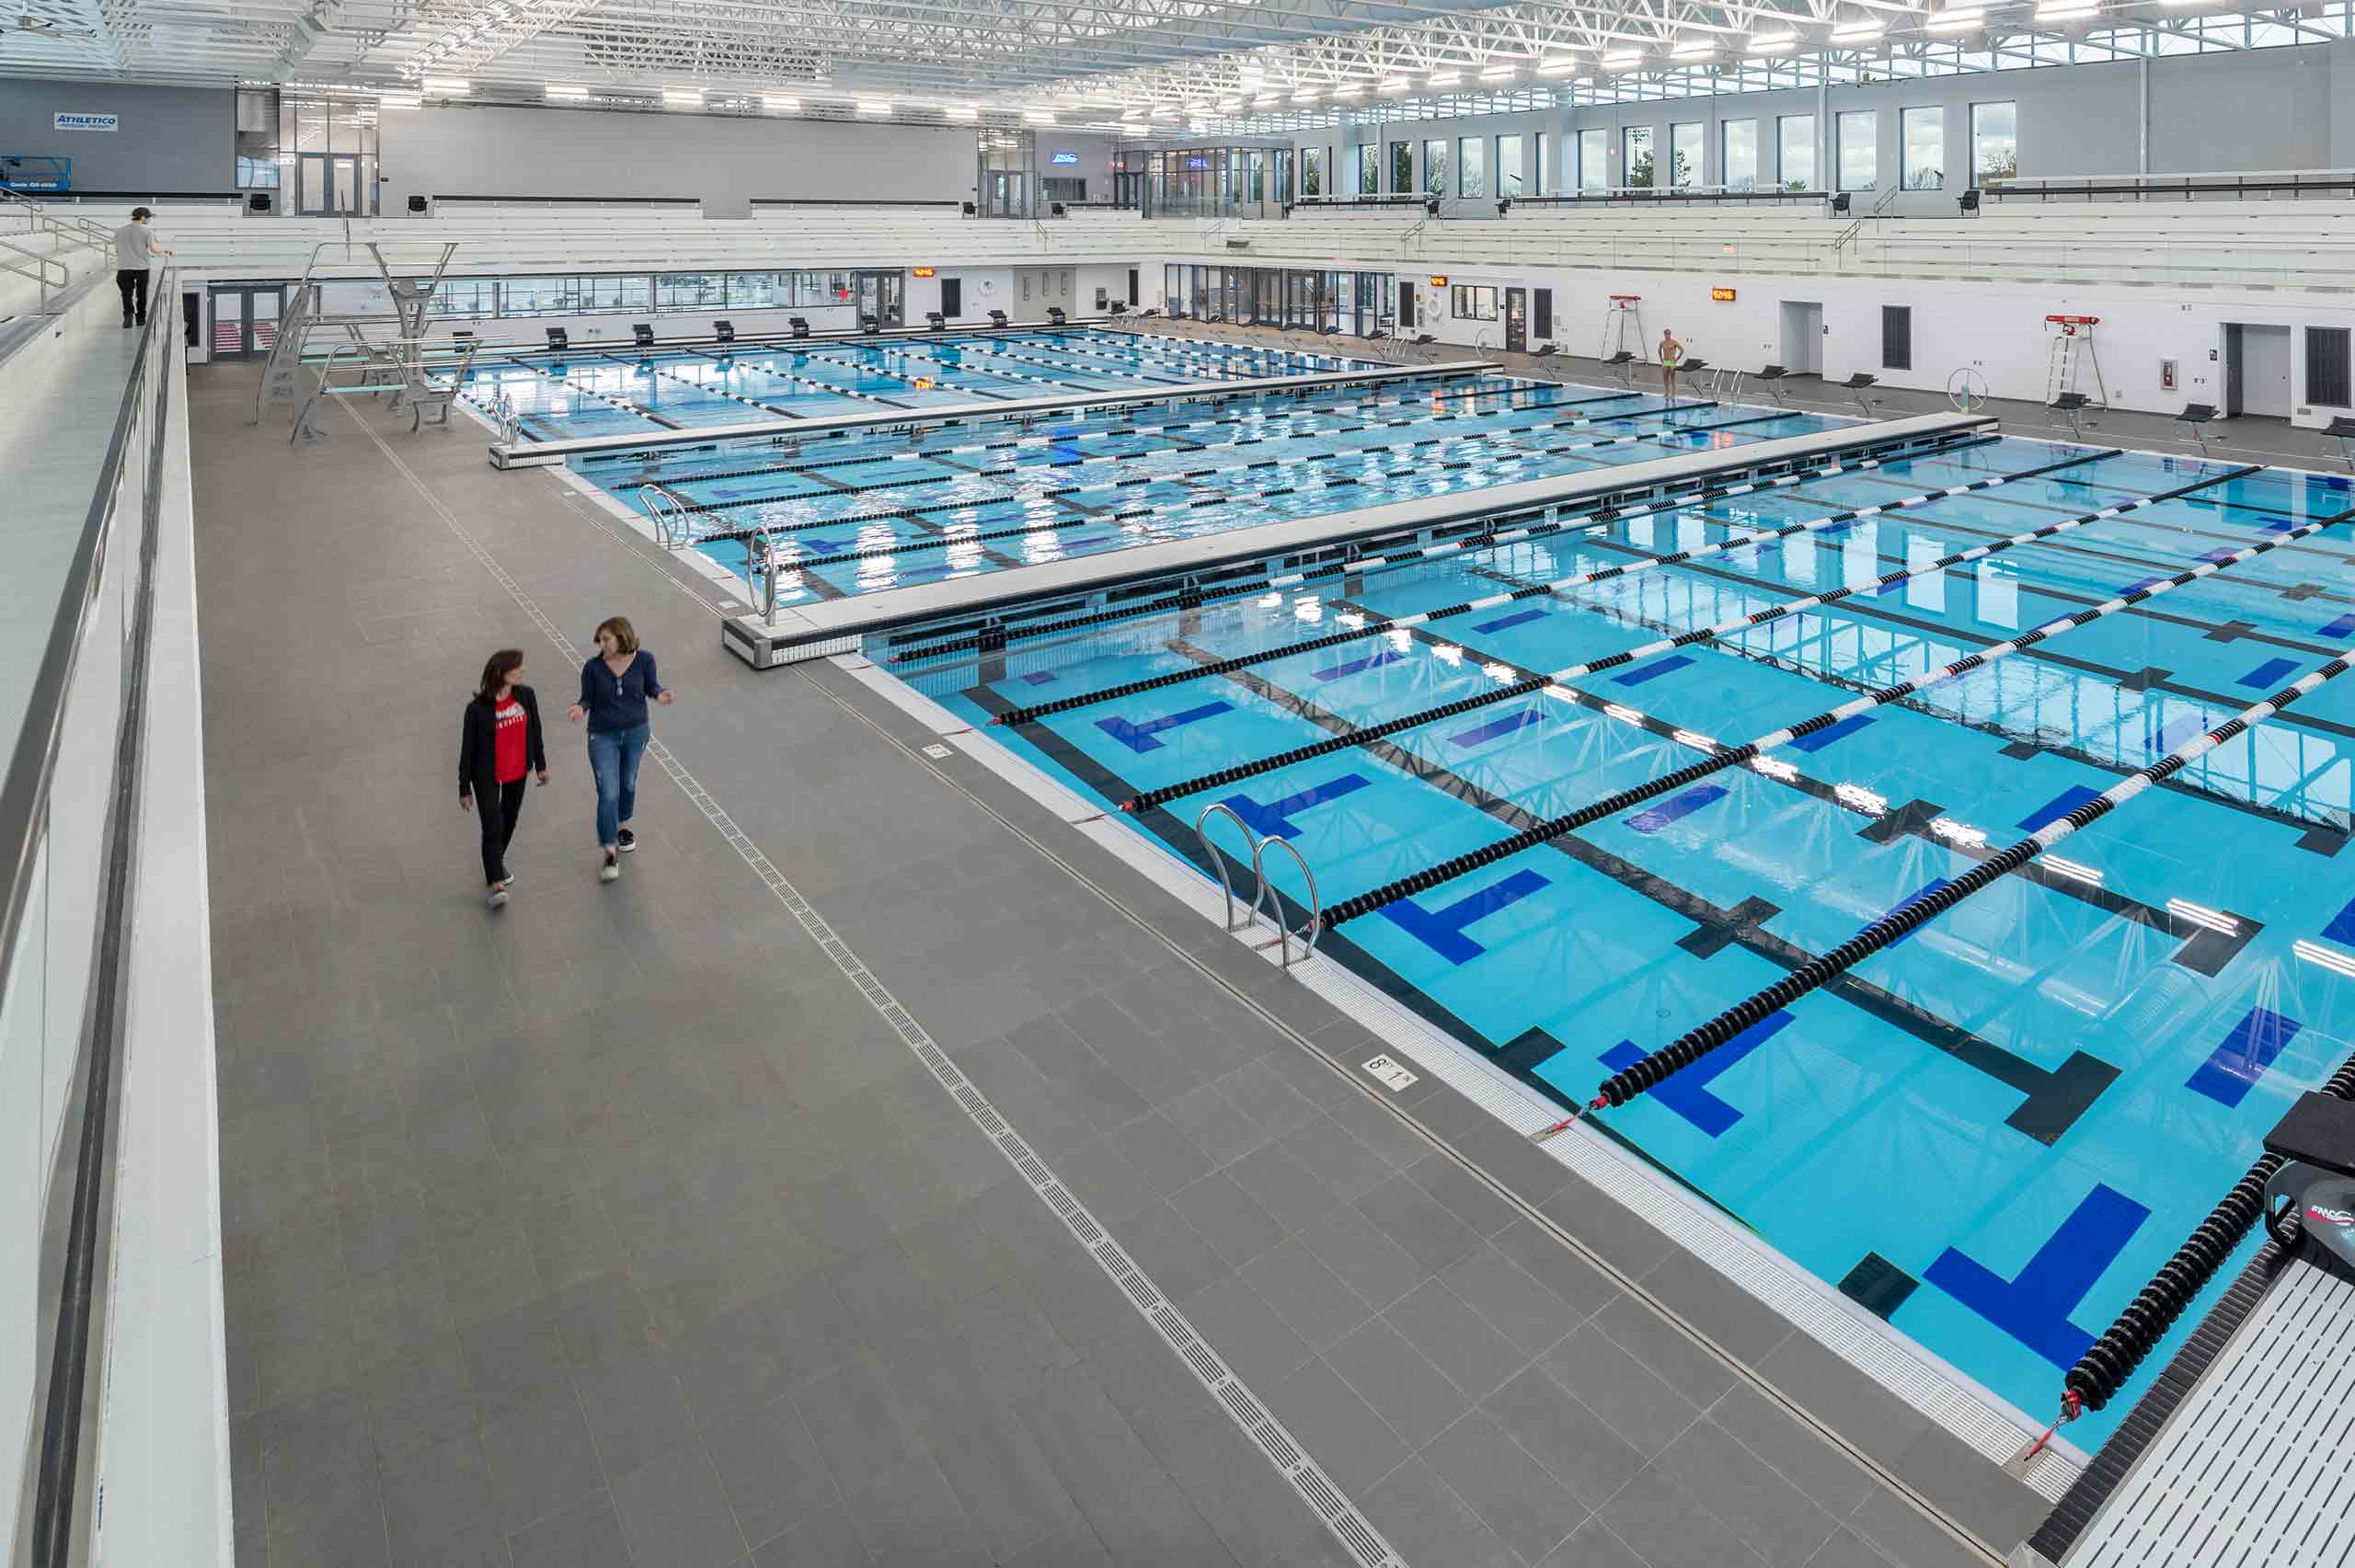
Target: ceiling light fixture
point(1767, 43)
point(1499, 74)
point(1960, 19)
point(564, 92)
point(1038, 116)
point(774, 105)
point(1354, 90)
point(1562, 65)
point(2065, 10)
point(1626, 60)
point(1307, 95)
point(1394, 84)
point(679, 98)
point(1857, 32)
point(1445, 78)
point(1692, 51)
point(873, 106)
point(400, 100)
point(447, 87)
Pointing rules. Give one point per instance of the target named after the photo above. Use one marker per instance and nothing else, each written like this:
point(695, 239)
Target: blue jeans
point(613, 756)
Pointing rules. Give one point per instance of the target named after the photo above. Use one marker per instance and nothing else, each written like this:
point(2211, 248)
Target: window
point(1738, 154)
point(1897, 337)
point(1859, 149)
point(1794, 147)
point(256, 174)
point(1369, 169)
point(1509, 166)
point(690, 290)
point(1995, 142)
point(1684, 155)
point(1594, 167)
point(1063, 188)
point(2327, 367)
point(1402, 168)
point(1473, 302)
point(1923, 133)
point(756, 291)
point(1312, 171)
point(465, 296)
point(1435, 168)
point(1472, 165)
point(1635, 155)
point(1542, 179)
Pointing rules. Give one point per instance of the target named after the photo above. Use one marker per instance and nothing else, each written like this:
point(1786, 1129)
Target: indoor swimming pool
point(1989, 1134)
point(854, 514)
point(604, 390)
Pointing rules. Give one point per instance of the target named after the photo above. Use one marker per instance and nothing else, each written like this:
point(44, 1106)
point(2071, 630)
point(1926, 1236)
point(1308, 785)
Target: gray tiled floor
point(618, 1227)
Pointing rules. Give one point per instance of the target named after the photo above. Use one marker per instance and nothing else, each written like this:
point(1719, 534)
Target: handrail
point(1217, 861)
point(667, 513)
point(1309, 932)
point(36, 266)
point(25, 793)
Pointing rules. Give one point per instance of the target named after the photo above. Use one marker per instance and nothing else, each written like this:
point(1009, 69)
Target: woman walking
point(498, 744)
point(615, 687)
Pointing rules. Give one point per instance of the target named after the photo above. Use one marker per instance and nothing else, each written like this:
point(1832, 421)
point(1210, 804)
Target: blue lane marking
point(2139, 584)
point(1506, 622)
point(1911, 899)
point(2172, 735)
point(1650, 671)
point(1141, 737)
point(1274, 820)
point(2034, 1307)
point(2059, 806)
point(1687, 1092)
point(1675, 807)
point(1497, 727)
point(2278, 524)
point(2233, 1069)
point(1840, 731)
point(1442, 930)
point(1358, 666)
point(2342, 627)
point(2342, 926)
point(2266, 674)
point(2221, 553)
point(1041, 676)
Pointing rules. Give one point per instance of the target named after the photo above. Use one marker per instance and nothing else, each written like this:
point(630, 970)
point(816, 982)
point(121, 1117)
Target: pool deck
point(641, 1224)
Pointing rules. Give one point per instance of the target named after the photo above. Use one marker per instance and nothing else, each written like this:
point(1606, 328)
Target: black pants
point(499, 813)
point(133, 282)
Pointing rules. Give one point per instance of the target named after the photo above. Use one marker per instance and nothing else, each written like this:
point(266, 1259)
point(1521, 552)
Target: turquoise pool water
point(608, 390)
point(1989, 1134)
point(860, 514)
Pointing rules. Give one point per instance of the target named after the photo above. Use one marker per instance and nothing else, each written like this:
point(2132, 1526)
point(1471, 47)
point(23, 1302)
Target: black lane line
point(939, 538)
point(2205, 950)
point(1180, 839)
point(2053, 1098)
point(709, 391)
point(2318, 836)
point(1975, 639)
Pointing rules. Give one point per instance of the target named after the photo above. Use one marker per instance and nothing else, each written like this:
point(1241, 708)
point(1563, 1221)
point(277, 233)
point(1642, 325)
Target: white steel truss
point(1150, 67)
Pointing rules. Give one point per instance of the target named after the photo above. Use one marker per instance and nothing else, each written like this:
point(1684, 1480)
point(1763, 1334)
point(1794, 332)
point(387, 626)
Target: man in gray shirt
point(134, 246)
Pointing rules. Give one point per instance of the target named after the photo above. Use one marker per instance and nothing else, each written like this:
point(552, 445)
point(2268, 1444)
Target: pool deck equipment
point(2237, 1453)
point(517, 453)
point(1082, 583)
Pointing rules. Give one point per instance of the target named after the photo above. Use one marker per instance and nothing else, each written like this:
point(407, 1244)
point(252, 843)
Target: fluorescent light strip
point(1857, 32)
point(448, 86)
point(682, 100)
point(400, 100)
point(1394, 84)
point(1626, 62)
point(789, 106)
point(564, 92)
point(1445, 78)
point(1766, 41)
point(1354, 90)
point(2200, 914)
point(1499, 74)
point(2070, 868)
point(2066, 11)
point(2313, 953)
point(1959, 20)
point(1556, 67)
point(874, 106)
point(1692, 51)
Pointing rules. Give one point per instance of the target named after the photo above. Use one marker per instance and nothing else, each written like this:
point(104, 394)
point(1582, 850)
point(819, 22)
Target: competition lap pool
point(604, 390)
point(1989, 1134)
point(851, 514)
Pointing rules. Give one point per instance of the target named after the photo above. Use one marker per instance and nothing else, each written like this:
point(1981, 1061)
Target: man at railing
point(134, 250)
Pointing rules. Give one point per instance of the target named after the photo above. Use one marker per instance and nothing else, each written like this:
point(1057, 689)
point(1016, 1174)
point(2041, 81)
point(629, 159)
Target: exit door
point(1802, 337)
point(1516, 321)
point(879, 295)
point(245, 320)
point(326, 185)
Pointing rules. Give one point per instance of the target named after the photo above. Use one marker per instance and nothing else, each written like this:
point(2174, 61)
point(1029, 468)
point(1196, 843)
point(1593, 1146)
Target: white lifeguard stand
point(1623, 327)
point(2073, 357)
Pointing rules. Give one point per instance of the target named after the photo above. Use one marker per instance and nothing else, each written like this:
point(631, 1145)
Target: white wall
point(491, 151)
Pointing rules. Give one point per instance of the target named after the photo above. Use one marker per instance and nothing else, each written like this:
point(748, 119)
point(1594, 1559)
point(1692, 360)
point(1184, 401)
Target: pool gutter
point(835, 626)
point(548, 454)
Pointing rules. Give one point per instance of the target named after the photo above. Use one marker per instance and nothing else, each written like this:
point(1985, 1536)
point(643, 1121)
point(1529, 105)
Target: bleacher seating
point(20, 291)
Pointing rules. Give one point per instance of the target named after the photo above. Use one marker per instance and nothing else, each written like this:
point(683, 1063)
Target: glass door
point(1516, 321)
point(880, 296)
point(245, 320)
point(326, 185)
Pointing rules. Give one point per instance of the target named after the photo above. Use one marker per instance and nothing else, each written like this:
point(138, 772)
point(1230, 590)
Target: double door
point(326, 185)
point(881, 295)
point(245, 319)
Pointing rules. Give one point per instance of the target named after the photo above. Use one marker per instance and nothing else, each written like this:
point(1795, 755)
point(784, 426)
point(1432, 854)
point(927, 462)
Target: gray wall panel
point(171, 139)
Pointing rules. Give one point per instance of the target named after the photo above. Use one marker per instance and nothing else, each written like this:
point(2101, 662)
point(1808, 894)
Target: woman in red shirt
point(499, 744)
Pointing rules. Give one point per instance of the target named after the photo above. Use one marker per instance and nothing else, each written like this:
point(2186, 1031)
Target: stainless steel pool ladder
point(1263, 891)
point(667, 513)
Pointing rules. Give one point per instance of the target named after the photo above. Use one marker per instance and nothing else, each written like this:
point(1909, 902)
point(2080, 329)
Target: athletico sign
point(63, 122)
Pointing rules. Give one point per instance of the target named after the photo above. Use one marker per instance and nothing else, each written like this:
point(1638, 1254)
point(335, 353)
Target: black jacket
point(478, 744)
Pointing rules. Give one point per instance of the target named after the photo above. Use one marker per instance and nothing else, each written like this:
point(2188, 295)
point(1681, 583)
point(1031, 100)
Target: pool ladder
point(667, 513)
point(1263, 891)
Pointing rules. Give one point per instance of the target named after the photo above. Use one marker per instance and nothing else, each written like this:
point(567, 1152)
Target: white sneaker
point(498, 897)
point(611, 870)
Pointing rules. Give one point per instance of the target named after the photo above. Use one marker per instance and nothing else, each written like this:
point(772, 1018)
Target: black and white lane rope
point(1376, 627)
point(1482, 539)
point(1523, 688)
point(1752, 754)
point(1651, 1070)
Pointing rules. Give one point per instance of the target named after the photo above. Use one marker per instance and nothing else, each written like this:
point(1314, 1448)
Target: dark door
point(1516, 321)
point(1405, 304)
point(952, 297)
point(1133, 286)
point(2232, 369)
point(1541, 316)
